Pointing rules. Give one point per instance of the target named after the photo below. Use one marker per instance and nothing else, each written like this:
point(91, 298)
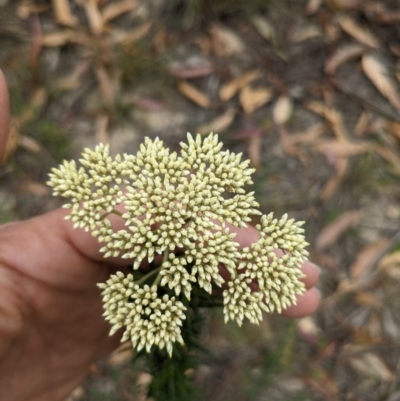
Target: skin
point(51, 325)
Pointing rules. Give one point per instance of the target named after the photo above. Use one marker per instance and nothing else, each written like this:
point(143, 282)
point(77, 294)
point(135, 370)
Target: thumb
point(4, 115)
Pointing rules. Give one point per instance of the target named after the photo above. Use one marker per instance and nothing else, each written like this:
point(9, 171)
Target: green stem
point(144, 278)
point(165, 257)
point(116, 212)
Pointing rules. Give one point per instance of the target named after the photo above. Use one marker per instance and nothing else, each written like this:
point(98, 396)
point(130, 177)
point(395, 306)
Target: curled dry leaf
point(194, 94)
point(330, 234)
point(357, 32)
point(63, 13)
point(230, 89)
point(342, 56)
point(253, 98)
point(377, 72)
point(283, 110)
point(220, 123)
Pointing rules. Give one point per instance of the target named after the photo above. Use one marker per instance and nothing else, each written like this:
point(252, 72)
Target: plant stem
point(116, 212)
point(151, 273)
point(165, 257)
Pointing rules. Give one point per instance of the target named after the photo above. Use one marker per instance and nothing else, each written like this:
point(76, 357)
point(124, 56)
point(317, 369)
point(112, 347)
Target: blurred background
point(307, 89)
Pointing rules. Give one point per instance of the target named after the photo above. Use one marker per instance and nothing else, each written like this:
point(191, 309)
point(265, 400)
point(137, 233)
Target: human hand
point(51, 324)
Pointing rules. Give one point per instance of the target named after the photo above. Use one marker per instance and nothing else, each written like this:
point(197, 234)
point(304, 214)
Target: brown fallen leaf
point(330, 234)
point(313, 6)
point(362, 123)
point(367, 258)
point(194, 94)
point(12, 141)
point(343, 4)
point(372, 365)
point(101, 130)
point(57, 39)
point(333, 116)
point(63, 14)
point(36, 104)
point(283, 110)
point(377, 72)
point(357, 32)
point(264, 28)
point(73, 81)
point(115, 9)
point(342, 148)
point(121, 356)
point(391, 156)
point(343, 55)
point(252, 99)
point(191, 72)
point(230, 89)
point(107, 86)
point(77, 394)
point(29, 144)
point(382, 14)
point(35, 188)
point(303, 33)
point(225, 41)
point(322, 383)
point(393, 127)
point(220, 123)
point(127, 38)
point(334, 182)
point(390, 264)
point(94, 16)
point(254, 148)
point(25, 10)
point(310, 135)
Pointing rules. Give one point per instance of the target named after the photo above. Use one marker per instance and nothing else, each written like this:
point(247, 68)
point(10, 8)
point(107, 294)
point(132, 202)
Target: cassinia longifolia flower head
point(176, 207)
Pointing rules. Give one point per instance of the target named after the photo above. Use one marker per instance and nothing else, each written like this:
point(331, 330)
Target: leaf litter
point(280, 84)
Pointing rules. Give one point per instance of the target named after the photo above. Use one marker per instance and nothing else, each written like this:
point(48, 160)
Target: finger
point(312, 273)
point(306, 304)
point(244, 236)
point(4, 115)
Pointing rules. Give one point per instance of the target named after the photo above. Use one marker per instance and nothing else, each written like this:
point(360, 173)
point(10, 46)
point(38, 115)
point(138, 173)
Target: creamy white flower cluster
point(148, 319)
point(176, 211)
